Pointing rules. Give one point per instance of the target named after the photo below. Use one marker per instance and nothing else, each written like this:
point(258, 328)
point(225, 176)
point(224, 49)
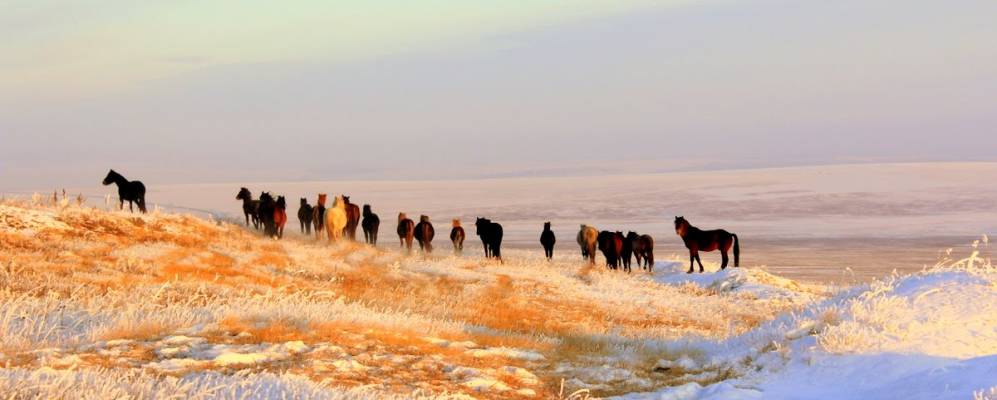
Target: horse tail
point(737, 251)
point(141, 203)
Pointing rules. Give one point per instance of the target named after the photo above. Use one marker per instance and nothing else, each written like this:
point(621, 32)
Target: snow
point(506, 352)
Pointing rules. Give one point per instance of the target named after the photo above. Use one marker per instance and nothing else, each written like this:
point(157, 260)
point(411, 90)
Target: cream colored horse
point(335, 219)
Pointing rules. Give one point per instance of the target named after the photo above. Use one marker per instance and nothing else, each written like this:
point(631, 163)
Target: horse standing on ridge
point(250, 207)
point(491, 237)
point(697, 240)
point(424, 234)
point(370, 225)
point(406, 231)
point(131, 191)
point(457, 236)
point(280, 216)
point(318, 216)
point(305, 217)
point(335, 219)
point(547, 239)
point(588, 239)
point(352, 218)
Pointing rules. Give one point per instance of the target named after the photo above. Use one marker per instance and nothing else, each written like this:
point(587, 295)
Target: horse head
point(111, 177)
point(423, 218)
point(401, 216)
point(321, 199)
point(547, 226)
point(281, 202)
point(304, 202)
point(346, 199)
point(455, 223)
point(366, 210)
point(681, 226)
point(244, 194)
point(631, 235)
point(479, 225)
point(339, 202)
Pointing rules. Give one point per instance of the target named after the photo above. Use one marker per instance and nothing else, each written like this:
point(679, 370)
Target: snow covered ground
point(112, 304)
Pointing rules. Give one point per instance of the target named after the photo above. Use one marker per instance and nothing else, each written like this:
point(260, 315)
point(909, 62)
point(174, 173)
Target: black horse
point(265, 214)
point(250, 207)
point(132, 191)
point(491, 237)
point(370, 224)
point(305, 216)
point(424, 234)
point(547, 239)
point(697, 240)
point(626, 253)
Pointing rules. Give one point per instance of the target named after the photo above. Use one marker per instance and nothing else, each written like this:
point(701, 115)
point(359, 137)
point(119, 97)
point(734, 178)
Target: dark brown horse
point(406, 231)
point(627, 252)
point(352, 218)
point(611, 246)
point(250, 207)
point(305, 217)
point(457, 236)
point(643, 249)
point(268, 206)
point(491, 237)
point(424, 234)
point(318, 216)
point(697, 240)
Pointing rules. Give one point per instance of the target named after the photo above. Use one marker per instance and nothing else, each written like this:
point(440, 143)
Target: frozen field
point(824, 223)
point(97, 304)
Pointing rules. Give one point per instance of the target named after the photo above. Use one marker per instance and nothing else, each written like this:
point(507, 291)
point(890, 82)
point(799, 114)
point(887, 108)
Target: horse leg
point(723, 259)
point(121, 204)
point(700, 261)
point(692, 262)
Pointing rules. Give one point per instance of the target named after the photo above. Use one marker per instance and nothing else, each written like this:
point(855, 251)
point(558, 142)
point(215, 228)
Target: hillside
point(113, 304)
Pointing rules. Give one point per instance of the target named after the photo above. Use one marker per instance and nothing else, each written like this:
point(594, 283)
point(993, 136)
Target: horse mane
point(455, 223)
point(423, 218)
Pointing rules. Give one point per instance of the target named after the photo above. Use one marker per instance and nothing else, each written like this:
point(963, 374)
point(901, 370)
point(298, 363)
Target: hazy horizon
point(224, 91)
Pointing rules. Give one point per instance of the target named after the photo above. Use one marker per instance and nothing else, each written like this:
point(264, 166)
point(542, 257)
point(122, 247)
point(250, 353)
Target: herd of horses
point(342, 218)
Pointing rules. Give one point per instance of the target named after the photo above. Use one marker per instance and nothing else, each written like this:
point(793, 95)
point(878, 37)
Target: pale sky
point(243, 91)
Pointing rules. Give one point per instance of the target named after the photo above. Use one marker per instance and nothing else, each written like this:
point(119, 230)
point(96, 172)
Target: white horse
point(587, 238)
point(335, 219)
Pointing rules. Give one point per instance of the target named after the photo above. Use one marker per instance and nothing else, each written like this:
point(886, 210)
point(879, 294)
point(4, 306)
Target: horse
point(491, 237)
point(588, 238)
point(250, 207)
point(335, 219)
point(370, 224)
point(131, 191)
point(352, 218)
point(611, 245)
point(643, 249)
point(305, 217)
point(626, 253)
point(406, 231)
point(547, 240)
point(280, 216)
point(318, 216)
point(424, 234)
point(266, 214)
point(697, 240)
point(457, 236)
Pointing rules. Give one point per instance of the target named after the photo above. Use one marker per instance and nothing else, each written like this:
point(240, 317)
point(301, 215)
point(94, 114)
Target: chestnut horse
point(406, 231)
point(697, 240)
point(643, 248)
point(280, 216)
point(424, 234)
point(266, 212)
point(588, 238)
point(457, 236)
point(352, 218)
